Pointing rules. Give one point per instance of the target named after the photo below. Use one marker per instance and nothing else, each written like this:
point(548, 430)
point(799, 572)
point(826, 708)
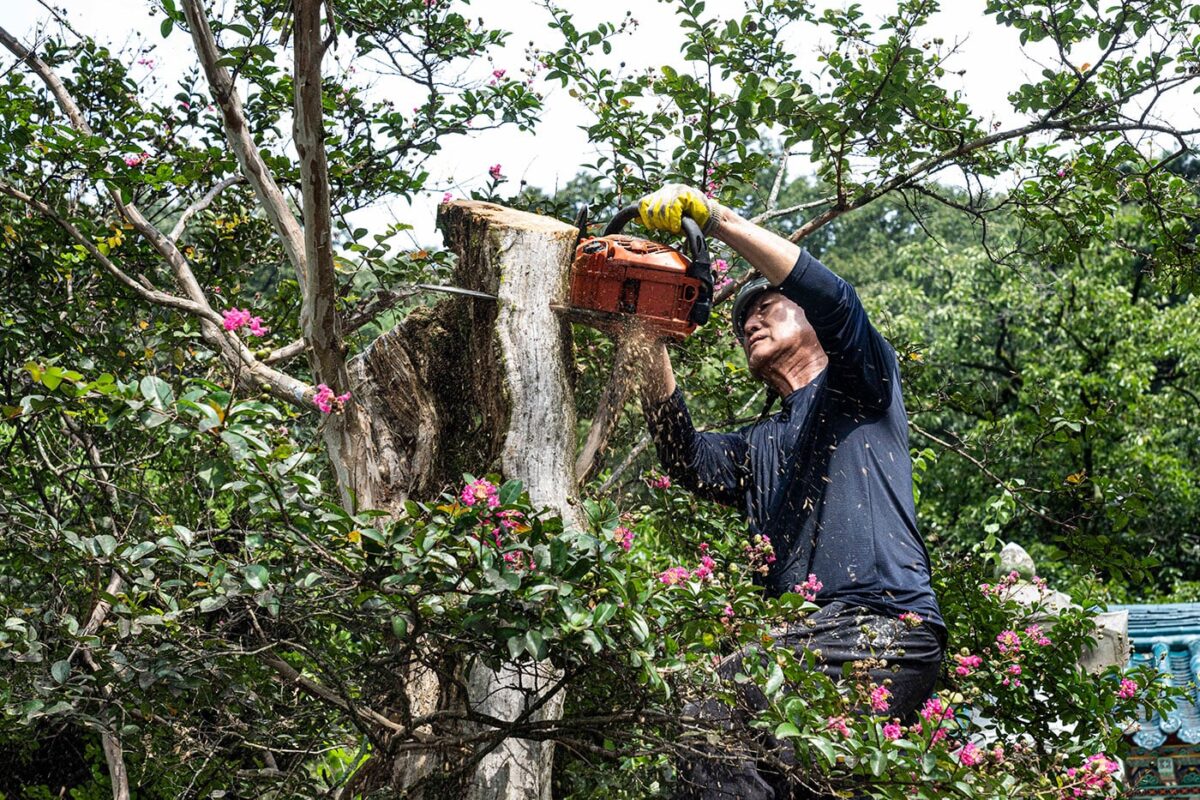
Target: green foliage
point(1042, 314)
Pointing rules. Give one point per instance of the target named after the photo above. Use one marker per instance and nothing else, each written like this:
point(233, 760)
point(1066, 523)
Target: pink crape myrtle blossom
point(967, 664)
point(838, 725)
point(138, 160)
point(235, 318)
point(811, 587)
point(970, 755)
point(327, 401)
point(659, 481)
point(1034, 632)
point(1127, 690)
point(494, 171)
point(727, 615)
point(911, 618)
point(1008, 641)
point(892, 731)
point(675, 576)
point(624, 537)
point(705, 570)
point(880, 696)
point(480, 490)
point(447, 197)
point(721, 274)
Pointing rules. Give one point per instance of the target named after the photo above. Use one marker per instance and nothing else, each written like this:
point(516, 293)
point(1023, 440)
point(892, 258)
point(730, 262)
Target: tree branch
point(237, 131)
point(318, 317)
point(201, 204)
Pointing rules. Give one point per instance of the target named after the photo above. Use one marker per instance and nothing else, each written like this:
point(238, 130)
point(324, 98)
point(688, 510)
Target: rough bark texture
point(476, 385)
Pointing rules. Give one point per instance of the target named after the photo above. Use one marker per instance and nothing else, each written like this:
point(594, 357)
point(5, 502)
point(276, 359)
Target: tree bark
point(476, 385)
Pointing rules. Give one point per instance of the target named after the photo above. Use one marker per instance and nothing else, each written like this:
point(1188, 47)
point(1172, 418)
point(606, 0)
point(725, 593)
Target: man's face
point(776, 331)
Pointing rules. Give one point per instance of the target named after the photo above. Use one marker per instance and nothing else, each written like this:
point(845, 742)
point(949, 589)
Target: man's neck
point(797, 373)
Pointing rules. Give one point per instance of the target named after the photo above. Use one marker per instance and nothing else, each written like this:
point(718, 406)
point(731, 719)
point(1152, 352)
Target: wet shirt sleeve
point(712, 465)
point(861, 362)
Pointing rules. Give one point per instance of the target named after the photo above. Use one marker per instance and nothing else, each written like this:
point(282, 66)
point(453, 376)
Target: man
point(827, 479)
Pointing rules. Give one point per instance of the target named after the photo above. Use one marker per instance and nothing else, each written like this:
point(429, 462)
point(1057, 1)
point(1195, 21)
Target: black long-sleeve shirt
point(828, 479)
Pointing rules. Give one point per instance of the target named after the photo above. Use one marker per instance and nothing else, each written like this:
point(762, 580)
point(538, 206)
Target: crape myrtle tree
point(246, 550)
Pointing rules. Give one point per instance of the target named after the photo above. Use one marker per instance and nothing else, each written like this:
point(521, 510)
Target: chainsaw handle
point(700, 268)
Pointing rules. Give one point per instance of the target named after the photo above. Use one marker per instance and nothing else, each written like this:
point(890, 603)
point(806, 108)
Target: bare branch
point(318, 318)
point(201, 204)
point(237, 131)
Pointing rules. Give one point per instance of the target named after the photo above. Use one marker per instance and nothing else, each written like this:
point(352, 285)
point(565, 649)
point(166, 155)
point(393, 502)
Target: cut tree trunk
point(476, 385)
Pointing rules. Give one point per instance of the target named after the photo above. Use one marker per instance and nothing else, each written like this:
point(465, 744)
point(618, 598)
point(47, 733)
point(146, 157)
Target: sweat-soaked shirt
point(828, 479)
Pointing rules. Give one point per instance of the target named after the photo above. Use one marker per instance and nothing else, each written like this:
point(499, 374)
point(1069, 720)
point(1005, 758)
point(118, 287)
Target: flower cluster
point(967, 664)
point(327, 401)
point(1093, 779)
point(911, 618)
point(658, 481)
point(704, 572)
point(711, 185)
point(721, 277)
point(760, 554)
point(138, 160)
point(1006, 583)
point(624, 537)
point(1127, 690)
point(838, 725)
point(447, 197)
point(880, 699)
point(494, 171)
point(497, 76)
point(237, 318)
point(811, 587)
point(480, 491)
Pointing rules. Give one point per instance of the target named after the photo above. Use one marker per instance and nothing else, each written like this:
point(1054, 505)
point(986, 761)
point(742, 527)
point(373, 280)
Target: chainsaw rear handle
point(701, 265)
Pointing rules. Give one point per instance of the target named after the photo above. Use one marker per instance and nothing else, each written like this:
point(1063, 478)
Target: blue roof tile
point(1167, 636)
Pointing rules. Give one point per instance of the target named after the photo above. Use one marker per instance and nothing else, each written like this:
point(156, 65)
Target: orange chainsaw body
point(623, 275)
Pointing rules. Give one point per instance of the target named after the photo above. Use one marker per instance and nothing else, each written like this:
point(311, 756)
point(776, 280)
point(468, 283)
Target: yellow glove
point(664, 209)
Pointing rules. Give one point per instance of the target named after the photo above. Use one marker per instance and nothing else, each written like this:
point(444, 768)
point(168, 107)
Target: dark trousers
point(842, 634)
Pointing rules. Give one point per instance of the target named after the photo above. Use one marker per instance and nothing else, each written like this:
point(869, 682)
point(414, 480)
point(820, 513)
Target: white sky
point(993, 61)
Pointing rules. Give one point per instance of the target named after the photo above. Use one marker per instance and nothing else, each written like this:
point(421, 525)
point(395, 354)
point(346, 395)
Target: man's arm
point(860, 359)
point(713, 465)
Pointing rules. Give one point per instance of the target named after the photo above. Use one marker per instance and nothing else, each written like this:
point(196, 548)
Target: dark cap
point(741, 304)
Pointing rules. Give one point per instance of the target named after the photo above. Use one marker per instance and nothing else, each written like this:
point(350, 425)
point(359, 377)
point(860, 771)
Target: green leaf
point(775, 681)
point(165, 28)
point(157, 391)
point(256, 575)
point(61, 671)
point(215, 603)
point(786, 730)
point(535, 644)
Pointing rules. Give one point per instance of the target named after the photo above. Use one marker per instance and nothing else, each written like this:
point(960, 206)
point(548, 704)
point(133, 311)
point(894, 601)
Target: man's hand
point(664, 210)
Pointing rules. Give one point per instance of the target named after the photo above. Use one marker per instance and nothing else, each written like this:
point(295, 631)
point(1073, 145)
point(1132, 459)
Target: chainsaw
point(615, 277)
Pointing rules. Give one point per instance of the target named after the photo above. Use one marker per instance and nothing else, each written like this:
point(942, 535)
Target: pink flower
point(892, 731)
point(727, 615)
point(494, 171)
point(970, 755)
point(235, 318)
point(1014, 669)
point(1008, 641)
point(911, 618)
point(325, 399)
point(1034, 632)
point(480, 490)
point(256, 327)
point(659, 481)
point(623, 537)
point(675, 576)
point(967, 665)
point(447, 197)
point(810, 588)
point(706, 568)
point(838, 725)
point(138, 160)
point(1128, 689)
point(935, 711)
point(146, 61)
point(879, 699)
point(497, 74)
